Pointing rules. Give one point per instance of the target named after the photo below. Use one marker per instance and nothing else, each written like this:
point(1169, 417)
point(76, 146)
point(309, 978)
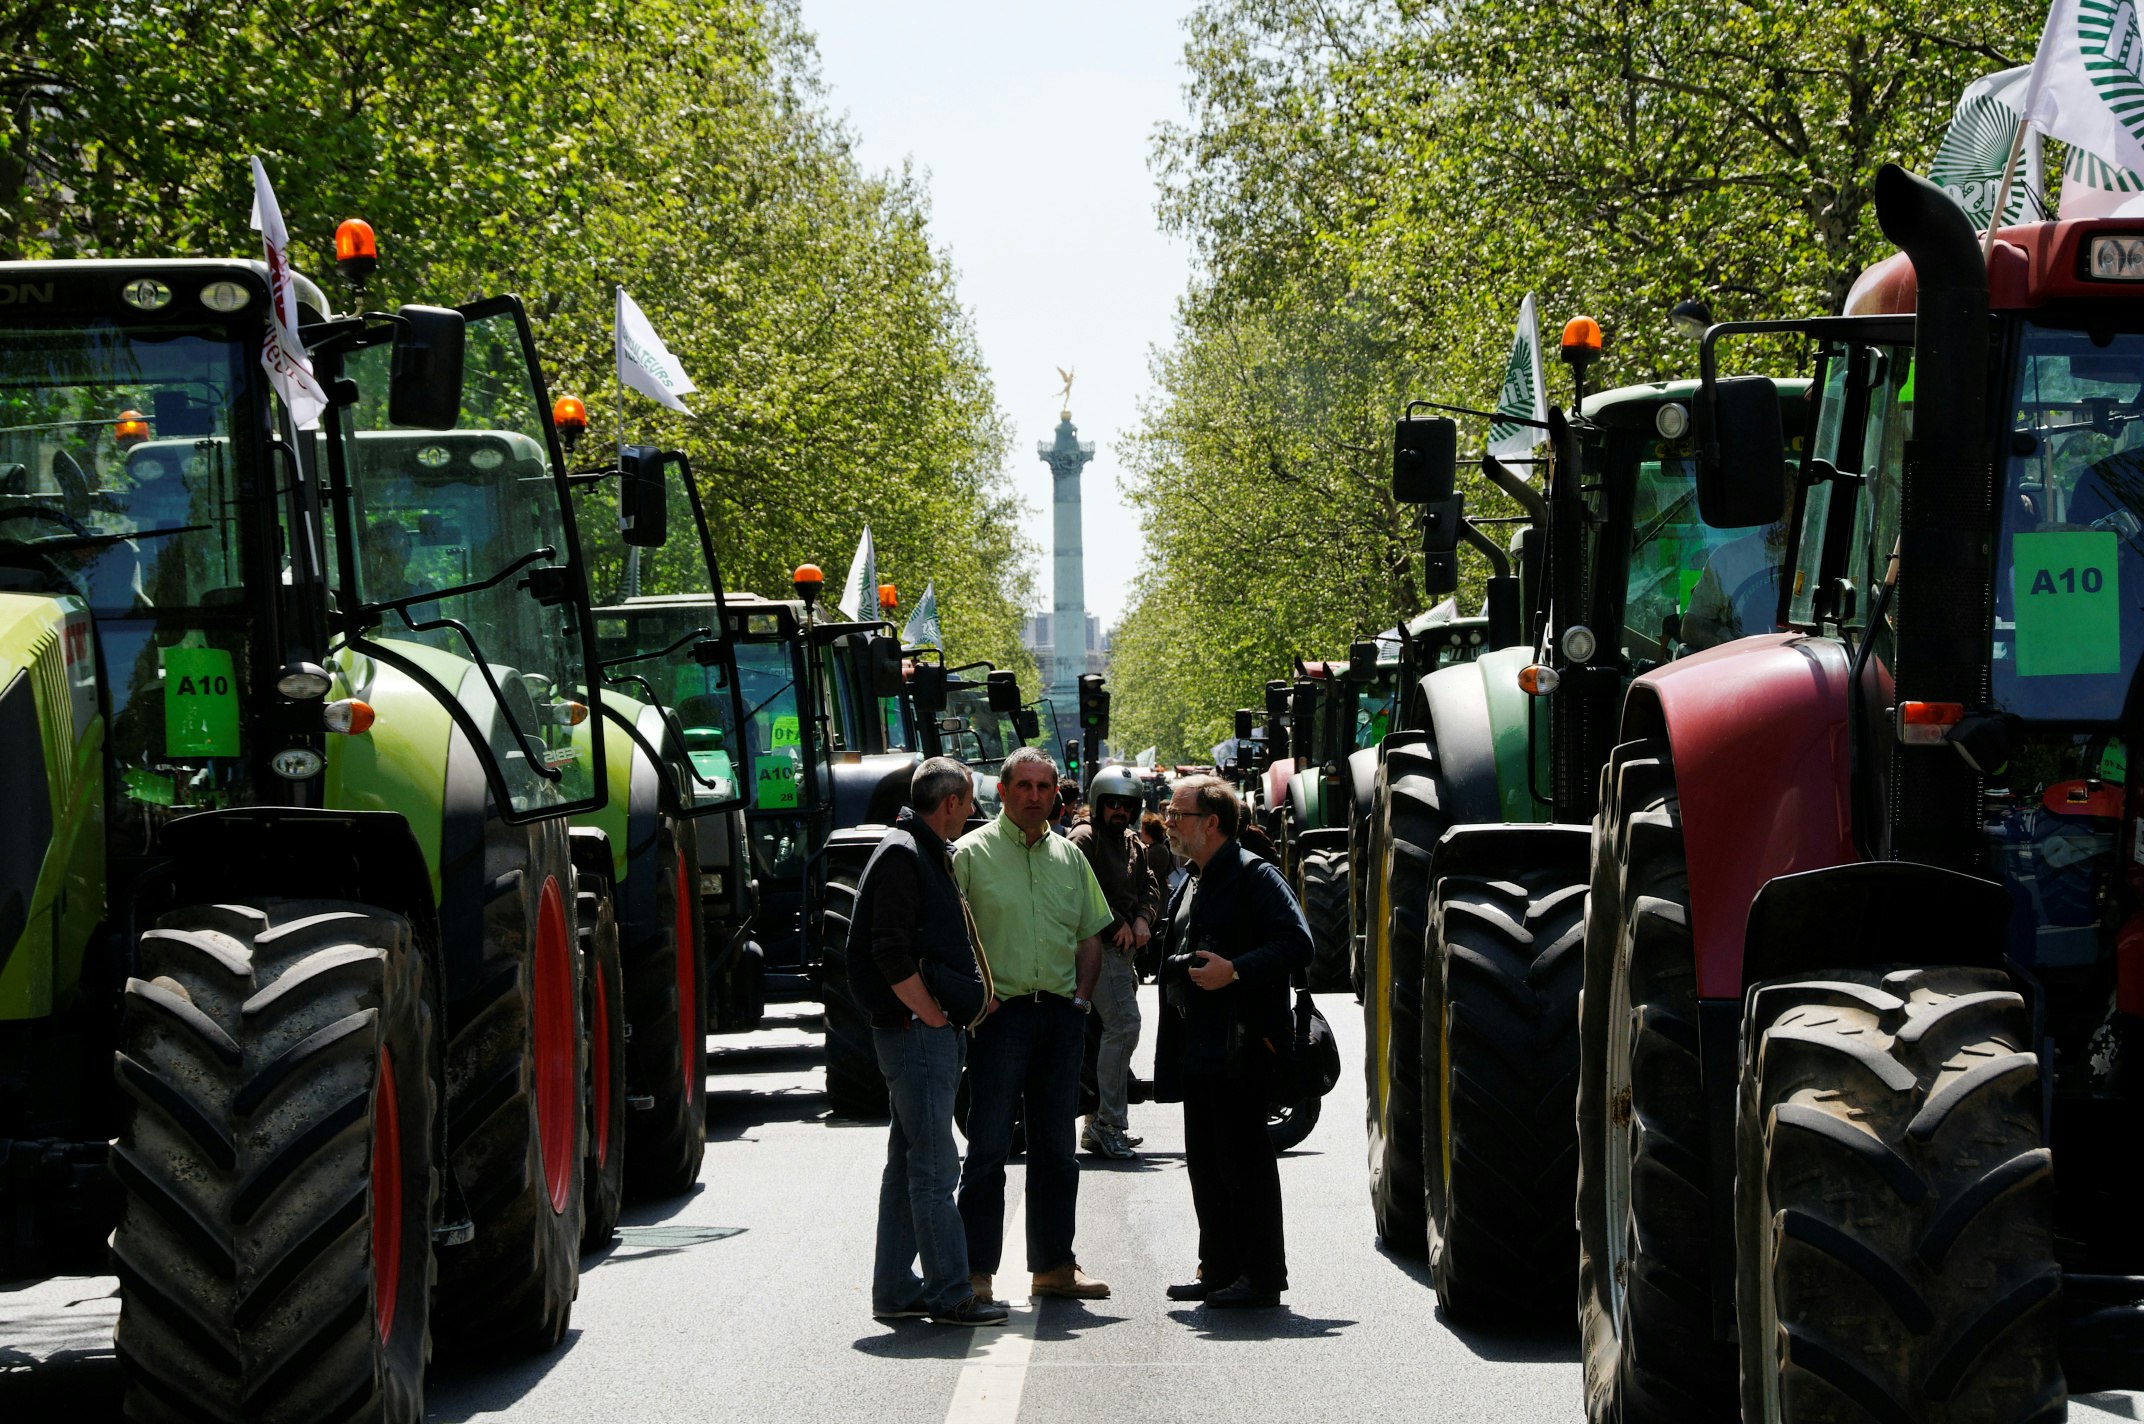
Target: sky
point(1033, 125)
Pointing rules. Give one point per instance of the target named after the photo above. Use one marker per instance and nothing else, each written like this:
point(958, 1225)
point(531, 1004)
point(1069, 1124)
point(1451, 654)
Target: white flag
point(922, 630)
point(2095, 188)
point(2087, 84)
point(283, 356)
point(1525, 394)
point(859, 592)
point(1983, 129)
point(644, 363)
point(1146, 758)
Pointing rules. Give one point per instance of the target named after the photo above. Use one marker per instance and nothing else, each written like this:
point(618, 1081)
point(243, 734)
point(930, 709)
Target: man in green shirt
point(1039, 914)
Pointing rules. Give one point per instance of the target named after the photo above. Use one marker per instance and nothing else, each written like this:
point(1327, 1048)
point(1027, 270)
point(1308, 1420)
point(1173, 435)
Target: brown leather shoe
point(980, 1285)
point(1069, 1282)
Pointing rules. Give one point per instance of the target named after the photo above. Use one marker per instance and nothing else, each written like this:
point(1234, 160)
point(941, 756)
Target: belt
point(1037, 996)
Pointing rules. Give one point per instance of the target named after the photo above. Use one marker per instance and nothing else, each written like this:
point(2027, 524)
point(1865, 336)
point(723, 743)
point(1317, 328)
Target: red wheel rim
point(386, 1196)
point(557, 1094)
point(599, 1044)
point(688, 986)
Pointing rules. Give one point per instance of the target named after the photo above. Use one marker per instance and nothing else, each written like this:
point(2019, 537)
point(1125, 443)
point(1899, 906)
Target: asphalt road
point(749, 1300)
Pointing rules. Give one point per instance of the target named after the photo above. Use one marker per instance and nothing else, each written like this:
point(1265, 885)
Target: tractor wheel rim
point(557, 1091)
point(1620, 1117)
point(386, 1197)
point(688, 986)
point(599, 1069)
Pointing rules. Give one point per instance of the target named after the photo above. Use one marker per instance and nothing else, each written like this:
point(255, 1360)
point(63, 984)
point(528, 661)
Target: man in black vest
point(915, 968)
point(1233, 935)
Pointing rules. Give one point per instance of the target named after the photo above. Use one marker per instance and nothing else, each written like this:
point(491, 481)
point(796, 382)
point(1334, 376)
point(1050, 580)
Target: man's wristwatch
point(1082, 1005)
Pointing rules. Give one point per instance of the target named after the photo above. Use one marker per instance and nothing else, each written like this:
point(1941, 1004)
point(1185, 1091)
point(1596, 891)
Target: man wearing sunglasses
point(1233, 934)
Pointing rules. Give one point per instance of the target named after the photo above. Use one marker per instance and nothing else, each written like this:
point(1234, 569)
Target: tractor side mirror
point(929, 688)
point(1003, 689)
point(1440, 524)
point(1440, 574)
point(1244, 723)
point(643, 509)
point(1027, 724)
point(1362, 661)
point(882, 661)
point(424, 384)
point(1425, 460)
point(1742, 453)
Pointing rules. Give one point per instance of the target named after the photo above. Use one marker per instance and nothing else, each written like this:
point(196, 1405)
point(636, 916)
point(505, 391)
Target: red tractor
point(1860, 1098)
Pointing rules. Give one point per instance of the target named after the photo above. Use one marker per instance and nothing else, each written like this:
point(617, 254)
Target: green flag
point(1983, 129)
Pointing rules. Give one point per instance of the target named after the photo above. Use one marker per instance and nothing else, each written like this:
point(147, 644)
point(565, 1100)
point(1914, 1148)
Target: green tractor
point(1473, 985)
point(822, 731)
point(290, 988)
point(669, 844)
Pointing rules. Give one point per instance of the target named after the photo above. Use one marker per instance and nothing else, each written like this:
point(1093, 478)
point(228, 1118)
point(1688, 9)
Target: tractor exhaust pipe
point(1945, 579)
point(1951, 318)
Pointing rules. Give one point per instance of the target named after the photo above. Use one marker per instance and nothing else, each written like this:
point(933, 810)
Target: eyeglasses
point(1172, 813)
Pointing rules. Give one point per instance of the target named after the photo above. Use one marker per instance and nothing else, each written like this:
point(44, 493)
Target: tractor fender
point(294, 852)
point(1505, 848)
point(1306, 796)
point(1326, 838)
point(1478, 717)
point(1362, 779)
point(647, 789)
point(1868, 913)
point(1752, 725)
point(871, 789)
point(1278, 774)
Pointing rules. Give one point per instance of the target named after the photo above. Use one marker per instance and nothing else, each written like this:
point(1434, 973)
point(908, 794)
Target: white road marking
point(995, 1375)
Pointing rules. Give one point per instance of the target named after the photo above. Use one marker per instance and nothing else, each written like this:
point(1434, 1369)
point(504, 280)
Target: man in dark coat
point(913, 966)
point(1234, 935)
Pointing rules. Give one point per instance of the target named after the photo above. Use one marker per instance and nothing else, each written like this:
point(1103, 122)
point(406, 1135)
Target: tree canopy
point(681, 148)
point(1371, 187)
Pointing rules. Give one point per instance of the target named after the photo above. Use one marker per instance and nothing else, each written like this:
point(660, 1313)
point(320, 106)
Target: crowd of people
point(986, 954)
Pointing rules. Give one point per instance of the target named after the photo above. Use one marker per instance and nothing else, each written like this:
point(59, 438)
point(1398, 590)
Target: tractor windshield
point(986, 736)
point(661, 654)
point(462, 546)
point(118, 479)
point(1717, 584)
point(2069, 585)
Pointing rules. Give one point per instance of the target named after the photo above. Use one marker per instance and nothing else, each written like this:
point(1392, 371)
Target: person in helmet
point(1109, 839)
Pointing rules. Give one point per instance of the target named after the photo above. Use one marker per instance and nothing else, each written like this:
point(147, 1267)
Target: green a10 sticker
point(777, 784)
point(2066, 591)
point(200, 702)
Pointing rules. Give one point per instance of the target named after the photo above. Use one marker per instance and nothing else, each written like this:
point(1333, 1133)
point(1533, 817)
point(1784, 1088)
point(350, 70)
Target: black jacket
point(908, 921)
point(1244, 912)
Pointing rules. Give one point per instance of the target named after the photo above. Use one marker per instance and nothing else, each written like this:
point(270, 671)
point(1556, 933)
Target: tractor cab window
point(1864, 417)
point(125, 477)
point(2069, 577)
point(119, 480)
point(773, 727)
point(650, 653)
point(1373, 710)
point(1715, 585)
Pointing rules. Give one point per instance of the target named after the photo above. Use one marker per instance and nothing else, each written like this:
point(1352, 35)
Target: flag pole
point(2002, 194)
point(617, 372)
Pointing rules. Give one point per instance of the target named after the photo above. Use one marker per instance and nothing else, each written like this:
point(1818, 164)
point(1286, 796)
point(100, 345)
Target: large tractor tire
point(1644, 1185)
point(603, 1010)
point(1894, 1203)
point(277, 1155)
point(1324, 887)
point(1499, 1086)
point(854, 1086)
point(1414, 820)
point(516, 1062)
point(664, 958)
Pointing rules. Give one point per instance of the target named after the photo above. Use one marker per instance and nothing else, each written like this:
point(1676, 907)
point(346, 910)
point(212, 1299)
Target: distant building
point(1036, 637)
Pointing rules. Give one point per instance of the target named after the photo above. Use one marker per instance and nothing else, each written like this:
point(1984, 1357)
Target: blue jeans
point(916, 1216)
point(1028, 1051)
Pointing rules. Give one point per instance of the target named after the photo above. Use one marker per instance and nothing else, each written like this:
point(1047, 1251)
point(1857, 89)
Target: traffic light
point(1072, 758)
point(1093, 706)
